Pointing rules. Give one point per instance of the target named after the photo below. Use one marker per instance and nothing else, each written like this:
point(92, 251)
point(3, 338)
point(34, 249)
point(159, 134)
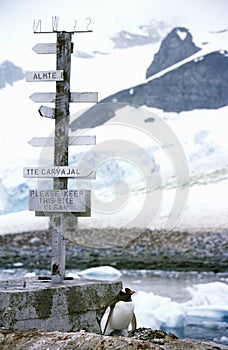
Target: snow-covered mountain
point(199, 129)
point(181, 76)
point(9, 73)
point(176, 46)
point(144, 35)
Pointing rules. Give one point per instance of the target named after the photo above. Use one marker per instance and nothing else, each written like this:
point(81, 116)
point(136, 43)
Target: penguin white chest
point(122, 315)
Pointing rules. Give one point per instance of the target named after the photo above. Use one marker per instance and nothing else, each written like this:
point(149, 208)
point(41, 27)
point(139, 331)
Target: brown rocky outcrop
point(40, 340)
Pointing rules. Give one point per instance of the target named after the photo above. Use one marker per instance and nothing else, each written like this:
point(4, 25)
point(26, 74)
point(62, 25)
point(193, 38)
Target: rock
point(35, 241)
point(201, 250)
point(176, 46)
point(199, 84)
point(155, 336)
point(69, 306)
point(40, 340)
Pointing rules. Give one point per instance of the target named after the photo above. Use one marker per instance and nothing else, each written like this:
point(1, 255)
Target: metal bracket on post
point(55, 25)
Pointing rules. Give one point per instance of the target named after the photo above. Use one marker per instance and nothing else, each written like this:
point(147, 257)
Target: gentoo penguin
point(119, 315)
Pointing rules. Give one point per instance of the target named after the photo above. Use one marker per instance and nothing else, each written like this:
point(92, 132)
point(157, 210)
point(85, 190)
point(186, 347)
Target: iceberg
point(208, 300)
point(101, 272)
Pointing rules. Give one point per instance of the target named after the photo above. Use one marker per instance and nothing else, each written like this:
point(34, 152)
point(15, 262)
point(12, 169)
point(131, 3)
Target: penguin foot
point(119, 333)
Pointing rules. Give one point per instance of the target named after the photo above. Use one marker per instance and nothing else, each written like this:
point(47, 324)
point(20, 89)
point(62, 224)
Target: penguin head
point(126, 295)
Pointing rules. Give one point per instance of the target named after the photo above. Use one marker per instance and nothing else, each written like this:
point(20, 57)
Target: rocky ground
point(180, 250)
point(142, 339)
point(199, 250)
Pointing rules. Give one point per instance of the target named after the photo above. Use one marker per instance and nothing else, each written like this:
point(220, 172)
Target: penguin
point(119, 315)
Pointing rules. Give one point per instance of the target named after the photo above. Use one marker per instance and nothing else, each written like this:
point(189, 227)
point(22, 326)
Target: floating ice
point(30, 274)
point(101, 272)
point(209, 300)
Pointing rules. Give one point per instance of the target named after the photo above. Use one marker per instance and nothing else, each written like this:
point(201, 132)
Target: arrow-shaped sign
point(51, 75)
point(60, 171)
point(47, 48)
point(73, 141)
point(47, 112)
point(43, 97)
point(74, 97)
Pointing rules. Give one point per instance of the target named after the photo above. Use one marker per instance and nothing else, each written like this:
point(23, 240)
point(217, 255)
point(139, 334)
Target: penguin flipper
point(108, 318)
point(133, 322)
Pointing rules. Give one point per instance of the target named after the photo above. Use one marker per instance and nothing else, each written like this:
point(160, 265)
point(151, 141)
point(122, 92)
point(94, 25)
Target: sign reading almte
point(51, 75)
point(57, 200)
point(61, 171)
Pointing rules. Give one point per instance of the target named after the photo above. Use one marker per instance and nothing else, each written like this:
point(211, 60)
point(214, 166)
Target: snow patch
point(182, 34)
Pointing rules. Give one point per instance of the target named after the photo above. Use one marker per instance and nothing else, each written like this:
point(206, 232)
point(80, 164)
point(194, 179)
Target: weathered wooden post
point(62, 114)
point(40, 200)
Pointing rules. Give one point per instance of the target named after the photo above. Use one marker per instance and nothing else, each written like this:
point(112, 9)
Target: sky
point(107, 18)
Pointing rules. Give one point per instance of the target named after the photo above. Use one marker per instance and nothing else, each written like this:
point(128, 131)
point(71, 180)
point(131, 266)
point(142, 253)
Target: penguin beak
point(132, 292)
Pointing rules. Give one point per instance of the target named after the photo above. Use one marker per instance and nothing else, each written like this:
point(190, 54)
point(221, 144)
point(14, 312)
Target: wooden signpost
point(45, 48)
point(51, 75)
point(73, 140)
point(59, 201)
point(57, 171)
point(74, 97)
point(47, 112)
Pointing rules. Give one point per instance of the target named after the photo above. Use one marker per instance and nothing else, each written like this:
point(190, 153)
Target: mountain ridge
point(10, 73)
point(197, 79)
point(176, 46)
point(200, 84)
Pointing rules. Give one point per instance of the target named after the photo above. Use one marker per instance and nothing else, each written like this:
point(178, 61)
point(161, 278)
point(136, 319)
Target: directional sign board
point(59, 171)
point(74, 97)
point(42, 48)
point(47, 48)
point(57, 200)
point(47, 112)
point(73, 141)
point(51, 75)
